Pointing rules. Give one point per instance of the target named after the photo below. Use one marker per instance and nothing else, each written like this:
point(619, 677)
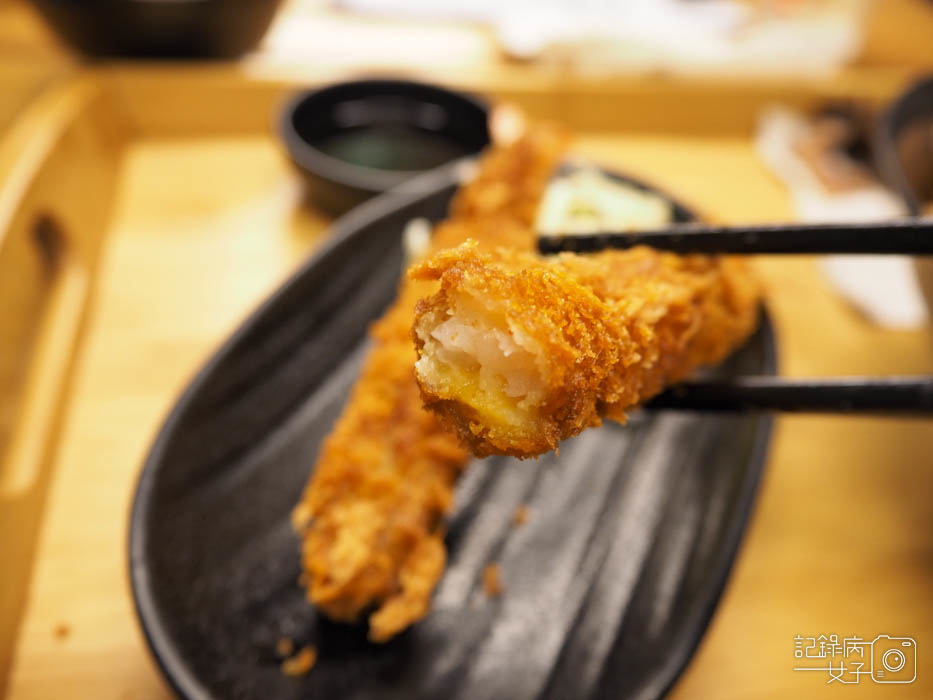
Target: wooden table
point(840, 541)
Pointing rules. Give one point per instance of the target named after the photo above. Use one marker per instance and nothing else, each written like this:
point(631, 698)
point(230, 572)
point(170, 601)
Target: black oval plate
point(608, 587)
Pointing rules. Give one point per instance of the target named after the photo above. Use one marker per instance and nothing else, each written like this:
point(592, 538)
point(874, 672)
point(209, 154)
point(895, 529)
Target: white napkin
point(883, 287)
point(682, 37)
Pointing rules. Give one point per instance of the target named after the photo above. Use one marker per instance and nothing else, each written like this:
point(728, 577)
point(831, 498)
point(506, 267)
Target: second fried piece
point(517, 352)
point(371, 516)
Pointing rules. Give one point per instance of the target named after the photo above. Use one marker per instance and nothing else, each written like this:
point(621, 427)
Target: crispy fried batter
point(371, 513)
point(517, 352)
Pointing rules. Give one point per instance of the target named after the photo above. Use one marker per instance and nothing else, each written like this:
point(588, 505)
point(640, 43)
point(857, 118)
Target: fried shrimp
point(516, 352)
point(371, 514)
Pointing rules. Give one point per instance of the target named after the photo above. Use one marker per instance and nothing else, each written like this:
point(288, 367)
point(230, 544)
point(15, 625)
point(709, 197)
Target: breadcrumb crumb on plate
point(492, 580)
point(284, 647)
point(300, 663)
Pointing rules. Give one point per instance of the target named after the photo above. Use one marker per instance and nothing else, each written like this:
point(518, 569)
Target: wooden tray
point(145, 210)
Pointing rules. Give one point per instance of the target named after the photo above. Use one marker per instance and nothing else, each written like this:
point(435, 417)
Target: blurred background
point(552, 39)
point(158, 180)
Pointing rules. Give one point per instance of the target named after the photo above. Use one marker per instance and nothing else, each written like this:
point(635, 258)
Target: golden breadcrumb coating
point(517, 352)
point(371, 514)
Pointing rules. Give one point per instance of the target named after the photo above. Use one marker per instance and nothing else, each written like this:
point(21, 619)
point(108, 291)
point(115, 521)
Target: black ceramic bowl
point(358, 139)
point(160, 28)
point(608, 587)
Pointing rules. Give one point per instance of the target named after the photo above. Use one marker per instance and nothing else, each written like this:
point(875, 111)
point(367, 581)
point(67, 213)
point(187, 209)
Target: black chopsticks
point(862, 395)
point(900, 237)
point(847, 395)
